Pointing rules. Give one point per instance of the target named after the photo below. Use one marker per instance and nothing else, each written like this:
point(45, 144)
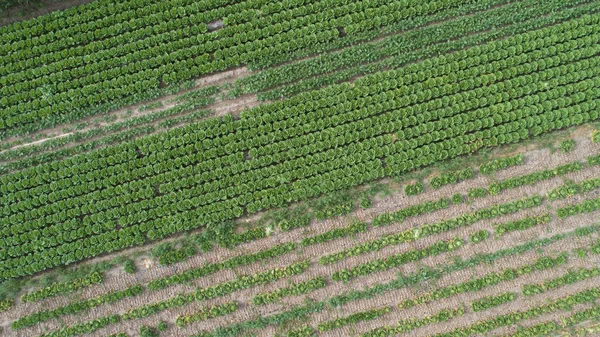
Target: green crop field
point(288, 168)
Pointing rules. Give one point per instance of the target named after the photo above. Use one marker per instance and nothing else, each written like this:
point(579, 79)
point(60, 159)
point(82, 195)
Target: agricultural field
point(300, 168)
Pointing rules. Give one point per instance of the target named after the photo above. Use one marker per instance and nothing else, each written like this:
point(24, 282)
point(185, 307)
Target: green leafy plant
point(479, 236)
point(414, 189)
point(566, 145)
point(130, 266)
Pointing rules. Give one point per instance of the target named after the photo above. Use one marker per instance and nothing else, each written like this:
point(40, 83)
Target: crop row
point(570, 277)
point(395, 260)
point(291, 290)
point(533, 178)
point(485, 281)
point(76, 307)
point(501, 164)
point(451, 178)
point(59, 288)
point(586, 206)
point(521, 224)
point(492, 301)
point(207, 313)
point(154, 216)
point(353, 228)
point(481, 327)
point(353, 319)
point(571, 188)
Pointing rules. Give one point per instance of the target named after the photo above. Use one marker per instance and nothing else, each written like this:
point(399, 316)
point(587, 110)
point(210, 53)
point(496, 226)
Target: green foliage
point(457, 199)
point(586, 206)
point(306, 331)
point(431, 229)
point(399, 216)
point(291, 290)
point(414, 189)
point(207, 313)
point(353, 319)
point(393, 261)
point(521, 224)
point(492, 301)
point(566, 145)
point(452, 178)
point(130, 266)
point(146, 331)
point(595, 136)
point(570, 277)
point(478, 192)
point(162, 326)
point(501, 164)
point(63, 288)
point(485, 281)
point(6, 304)
point(594, 160)
point(352, 229)
point(533, 178)
point(479, 236)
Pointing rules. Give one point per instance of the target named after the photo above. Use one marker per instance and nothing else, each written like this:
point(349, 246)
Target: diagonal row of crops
point(282, 275)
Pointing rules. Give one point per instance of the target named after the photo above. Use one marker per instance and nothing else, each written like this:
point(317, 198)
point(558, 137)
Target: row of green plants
point(404, 326)
point(572, 276)
point(293, 289)
point(414, 189)
point(76, 307)
point(355, 318)
point(422, 231)
point(586, 206)
point(306, 331)
point(488, 302)
point(396, 260)
point(594, 160)
point(533, 178)
point(485, 281)
point(6, 304)
point(451, 178)
point(210, 268)
point(501, 163)
point(207, 313)
point(399, 216)
point(521, 224)
point(351, 174)
point(571, 188)
point(353, 228)
point(60, 288)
